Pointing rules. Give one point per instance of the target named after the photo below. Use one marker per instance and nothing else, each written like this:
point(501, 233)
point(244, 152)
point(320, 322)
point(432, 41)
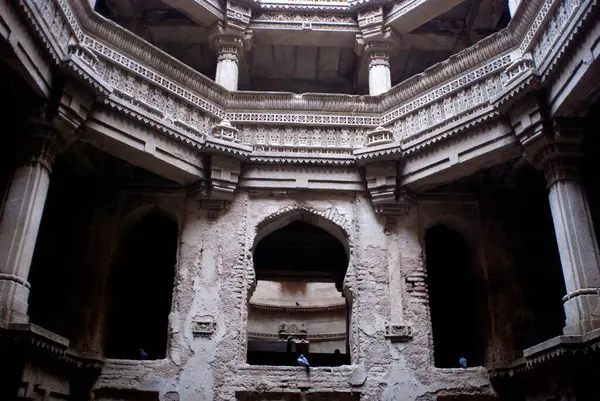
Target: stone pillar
point(380, 80)
point(513, 5)
point(574, 230)
point(228, 49)
point(20, 222)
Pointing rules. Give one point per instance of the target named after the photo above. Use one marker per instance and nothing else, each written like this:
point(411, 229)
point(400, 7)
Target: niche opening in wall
point(298, 306)
point(453, 299)
point(141, 285)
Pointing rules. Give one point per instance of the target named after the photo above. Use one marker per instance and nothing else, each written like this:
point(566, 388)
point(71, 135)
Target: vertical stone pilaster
point(577, 244)
point(375, 42)
point(21, 220)
point(228, 49)
point(380, 80)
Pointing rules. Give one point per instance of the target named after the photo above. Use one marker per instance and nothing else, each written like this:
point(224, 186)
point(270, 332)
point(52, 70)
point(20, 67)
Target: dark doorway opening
point(298, 306)
point(452, 299)
point(141, 286)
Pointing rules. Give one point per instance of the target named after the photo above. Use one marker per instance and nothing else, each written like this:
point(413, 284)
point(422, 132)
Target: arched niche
point(300, 263)
point(140, 287)
point(454, 299)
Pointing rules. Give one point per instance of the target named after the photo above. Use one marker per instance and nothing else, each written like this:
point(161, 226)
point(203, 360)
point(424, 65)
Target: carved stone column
point(375, 43)
point(20, 222)
point(230, 38)
point(228, 49)
point(380, 80)
point(574, 229)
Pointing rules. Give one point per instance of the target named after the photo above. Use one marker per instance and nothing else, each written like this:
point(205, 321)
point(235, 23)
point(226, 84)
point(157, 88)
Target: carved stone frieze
point(294, 330)
point(303, 21)
point(398, 332)
point(204, 326)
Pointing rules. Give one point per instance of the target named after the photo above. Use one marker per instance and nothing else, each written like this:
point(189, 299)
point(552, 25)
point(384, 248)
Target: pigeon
point(462, 361)
point(302, 361)
point(143, 354)
point(297, 303)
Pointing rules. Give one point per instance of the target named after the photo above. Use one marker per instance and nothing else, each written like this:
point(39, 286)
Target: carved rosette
point(224, 130)
point(398, 332)
point(380, 136)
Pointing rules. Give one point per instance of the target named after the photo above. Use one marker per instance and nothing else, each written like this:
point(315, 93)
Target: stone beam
point(204, 12)
point(22, 53)
point(482, 148)
point(577, 86)
point(274, 180)
point(143, 147)
point(406, 16)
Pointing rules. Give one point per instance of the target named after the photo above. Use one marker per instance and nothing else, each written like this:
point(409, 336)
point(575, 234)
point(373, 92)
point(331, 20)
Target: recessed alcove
point(141, 285)
point(452, 299)
point(298, 306)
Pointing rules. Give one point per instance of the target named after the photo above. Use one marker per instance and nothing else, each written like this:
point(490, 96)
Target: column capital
point(38, 146)
point(558, 151)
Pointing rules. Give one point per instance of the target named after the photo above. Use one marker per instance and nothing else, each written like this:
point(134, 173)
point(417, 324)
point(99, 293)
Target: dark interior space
point(590, 166)
point(59, 254)
point(298, 251)
point(452, 299)
point(141, 285)
point(301, 251)
point(528, 222)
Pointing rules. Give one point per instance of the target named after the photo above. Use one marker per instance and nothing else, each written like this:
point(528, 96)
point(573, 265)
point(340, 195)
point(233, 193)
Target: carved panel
point(204, 326)
point(398, 332)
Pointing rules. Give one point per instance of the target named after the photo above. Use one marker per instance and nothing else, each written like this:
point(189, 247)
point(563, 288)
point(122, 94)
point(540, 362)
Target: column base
point(583, 314)
point(13, 299)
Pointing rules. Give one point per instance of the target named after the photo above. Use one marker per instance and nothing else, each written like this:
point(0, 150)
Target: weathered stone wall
point(215, 279)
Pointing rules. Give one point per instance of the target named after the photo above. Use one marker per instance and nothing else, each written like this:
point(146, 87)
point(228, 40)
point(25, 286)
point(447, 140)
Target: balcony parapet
point(452, 96)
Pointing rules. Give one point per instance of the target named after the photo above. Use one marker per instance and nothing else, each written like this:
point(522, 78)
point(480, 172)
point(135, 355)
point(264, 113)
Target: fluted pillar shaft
point(227, 74)
point(380, 80)
point(20, 222)
point(575, 235)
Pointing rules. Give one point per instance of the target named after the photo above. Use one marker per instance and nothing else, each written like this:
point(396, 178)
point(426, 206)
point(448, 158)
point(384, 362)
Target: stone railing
point(148, 82)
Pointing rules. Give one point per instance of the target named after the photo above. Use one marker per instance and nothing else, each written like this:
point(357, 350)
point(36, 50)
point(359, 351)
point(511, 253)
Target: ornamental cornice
point(299, 309)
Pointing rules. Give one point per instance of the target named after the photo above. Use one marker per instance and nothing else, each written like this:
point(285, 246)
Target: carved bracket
point(204, 326)
point(398, 332)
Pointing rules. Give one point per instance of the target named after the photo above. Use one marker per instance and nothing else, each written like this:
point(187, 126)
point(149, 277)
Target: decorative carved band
point(15, 278)
point(580, 292)
point(252, 335)
point(301, 309)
